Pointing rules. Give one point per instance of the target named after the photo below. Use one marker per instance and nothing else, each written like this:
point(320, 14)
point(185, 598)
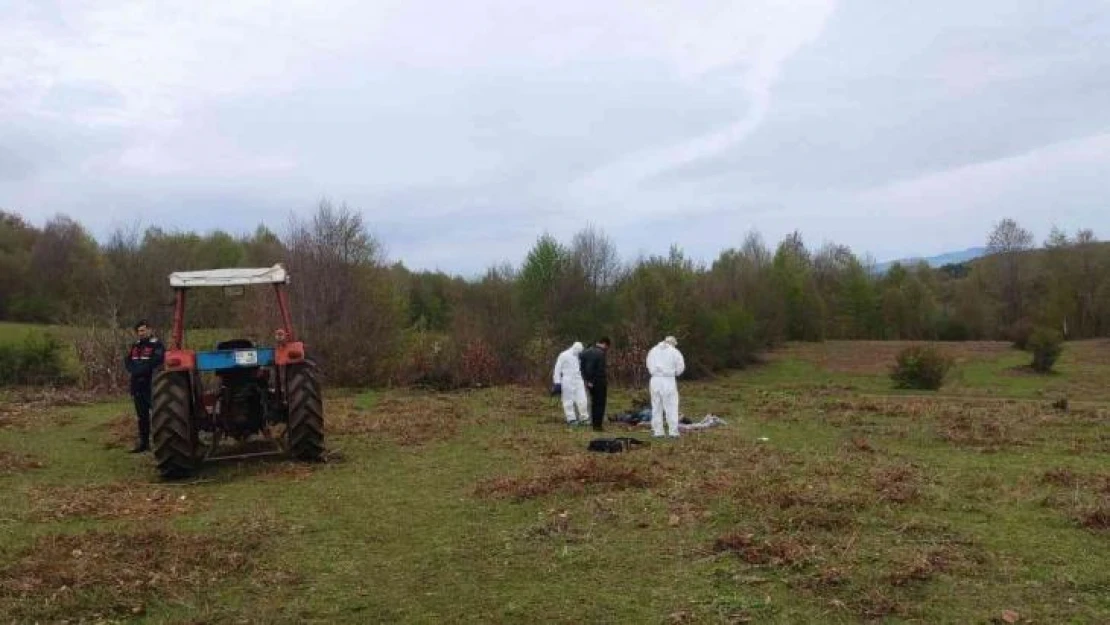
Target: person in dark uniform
point(143, 359)
point(596, 376)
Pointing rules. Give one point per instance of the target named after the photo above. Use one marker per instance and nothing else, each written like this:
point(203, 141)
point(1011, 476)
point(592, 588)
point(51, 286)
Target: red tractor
point(252, 390)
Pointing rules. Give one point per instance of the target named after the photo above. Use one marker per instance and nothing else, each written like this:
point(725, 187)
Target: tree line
point(370, 321)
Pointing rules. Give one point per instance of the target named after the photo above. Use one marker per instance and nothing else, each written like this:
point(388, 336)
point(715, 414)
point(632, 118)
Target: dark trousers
point(598, 393)
point(141, 392)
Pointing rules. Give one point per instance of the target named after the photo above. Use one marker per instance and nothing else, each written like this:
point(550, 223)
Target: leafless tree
point(1007, 242)
point(343, 297)
point(597, 256)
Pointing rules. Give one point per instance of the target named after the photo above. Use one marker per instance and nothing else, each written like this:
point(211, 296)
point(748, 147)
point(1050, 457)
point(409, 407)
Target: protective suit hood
point(576, 348)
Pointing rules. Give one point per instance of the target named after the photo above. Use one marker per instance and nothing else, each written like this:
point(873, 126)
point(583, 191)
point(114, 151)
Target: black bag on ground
point(614, 445)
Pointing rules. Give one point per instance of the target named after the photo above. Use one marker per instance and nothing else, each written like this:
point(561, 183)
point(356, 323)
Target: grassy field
point(826, 498)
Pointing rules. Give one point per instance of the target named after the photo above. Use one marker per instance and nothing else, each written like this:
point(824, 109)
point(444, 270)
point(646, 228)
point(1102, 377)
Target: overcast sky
point(464, 130)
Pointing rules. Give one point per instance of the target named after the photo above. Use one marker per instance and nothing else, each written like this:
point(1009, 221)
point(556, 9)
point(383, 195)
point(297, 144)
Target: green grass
point(861, 504)
point(11, 332)
point(199, 338)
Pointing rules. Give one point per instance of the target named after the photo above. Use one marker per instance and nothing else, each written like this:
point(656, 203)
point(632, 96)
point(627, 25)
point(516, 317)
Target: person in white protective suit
point(568, 375)
point(665, 363)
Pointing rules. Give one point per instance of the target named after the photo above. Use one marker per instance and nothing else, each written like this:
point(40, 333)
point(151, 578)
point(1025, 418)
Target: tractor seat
point(235, 344)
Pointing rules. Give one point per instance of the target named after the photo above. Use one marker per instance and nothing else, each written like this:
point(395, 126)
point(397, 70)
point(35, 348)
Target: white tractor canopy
point(229, 277)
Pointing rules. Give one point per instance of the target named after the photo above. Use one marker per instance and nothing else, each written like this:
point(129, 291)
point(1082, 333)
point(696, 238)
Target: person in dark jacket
point(143, 359)
point(596, 376)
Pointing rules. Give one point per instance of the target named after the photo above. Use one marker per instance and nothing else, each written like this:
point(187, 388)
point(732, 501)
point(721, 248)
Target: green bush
point(921, 367)
point(1019, 333)
point(37, 360)
point(949, 329)
point(1046, 345)
point(724, 338)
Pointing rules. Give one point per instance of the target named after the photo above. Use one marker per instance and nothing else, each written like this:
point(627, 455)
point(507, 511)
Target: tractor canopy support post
point(178, 319)
point(283, 306)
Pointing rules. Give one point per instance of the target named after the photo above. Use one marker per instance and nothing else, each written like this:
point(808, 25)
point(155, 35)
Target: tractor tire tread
point(171, 427)
point(306, 414)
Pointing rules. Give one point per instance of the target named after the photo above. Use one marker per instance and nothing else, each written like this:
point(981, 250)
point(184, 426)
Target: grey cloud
point(443, 128)
point(843, 119)
point(35, 146)
point(81, 99)
point(458, 166)
point(14, 166)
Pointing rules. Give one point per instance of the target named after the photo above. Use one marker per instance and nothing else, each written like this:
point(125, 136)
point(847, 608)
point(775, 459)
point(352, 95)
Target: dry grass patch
point(876, 357)
point(576, 474)
point(876, 605)
point(775, 551)
point(121, 431)
point(788, 494)
point(407, 420)
point(558, 526)
point(1063, 476)
point(921, 567)
point(788, 404)
point(119, 500)
point(897, 483)
point(100, 575)
point(859, 444)
point(24, 408)
point(811, 519)
point(287, 471)
point(831, 496)
point(1096, 516)
point(684, 513)
point(1091, 352)
point(514, 404)
point(12, 462)
point(534, 444)
point(981, 432)
point(1083, 497)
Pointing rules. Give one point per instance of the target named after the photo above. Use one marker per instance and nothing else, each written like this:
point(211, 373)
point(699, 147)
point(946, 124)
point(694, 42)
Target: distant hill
point(937, 261)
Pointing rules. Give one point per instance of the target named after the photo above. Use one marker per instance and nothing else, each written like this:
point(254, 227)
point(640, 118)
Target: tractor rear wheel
point(172, 425)
point(305, 429)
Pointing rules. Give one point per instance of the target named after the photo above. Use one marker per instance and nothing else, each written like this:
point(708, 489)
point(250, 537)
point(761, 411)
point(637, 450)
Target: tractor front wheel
point(172, 426)
point(305, 429)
